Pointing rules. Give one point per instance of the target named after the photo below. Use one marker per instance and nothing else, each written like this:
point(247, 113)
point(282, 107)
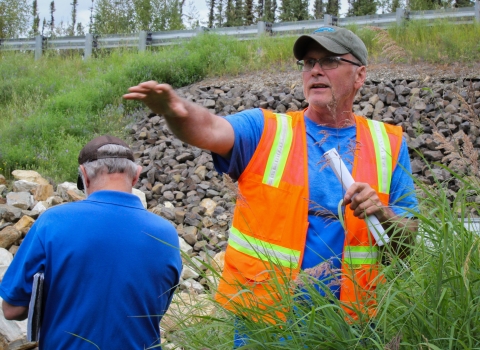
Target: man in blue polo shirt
point(110, 266)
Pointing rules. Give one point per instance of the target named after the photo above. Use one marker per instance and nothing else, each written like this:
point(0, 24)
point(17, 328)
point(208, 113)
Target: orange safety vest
point(262, 253)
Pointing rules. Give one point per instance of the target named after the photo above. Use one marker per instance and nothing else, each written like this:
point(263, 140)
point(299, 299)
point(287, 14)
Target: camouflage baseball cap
point(334, 39)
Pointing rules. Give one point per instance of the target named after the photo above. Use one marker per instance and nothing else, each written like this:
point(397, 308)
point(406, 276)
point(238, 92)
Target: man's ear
point(86, 180)
point(137, 176)
point(360, 76)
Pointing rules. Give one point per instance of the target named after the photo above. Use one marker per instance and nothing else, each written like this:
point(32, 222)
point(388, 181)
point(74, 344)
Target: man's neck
point(112, 182)
point(325, 117)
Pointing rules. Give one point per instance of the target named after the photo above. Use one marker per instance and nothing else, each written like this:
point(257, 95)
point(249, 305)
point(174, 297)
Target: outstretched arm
point(190, 122)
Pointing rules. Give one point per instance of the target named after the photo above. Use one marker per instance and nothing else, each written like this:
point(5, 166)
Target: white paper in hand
point(346, 179)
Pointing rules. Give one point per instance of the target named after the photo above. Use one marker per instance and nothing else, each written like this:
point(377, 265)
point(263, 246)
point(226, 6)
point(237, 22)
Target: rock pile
point(440, 119)
point(180, 181)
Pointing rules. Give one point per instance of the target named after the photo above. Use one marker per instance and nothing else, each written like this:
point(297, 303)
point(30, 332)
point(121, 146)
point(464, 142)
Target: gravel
point(375, 72)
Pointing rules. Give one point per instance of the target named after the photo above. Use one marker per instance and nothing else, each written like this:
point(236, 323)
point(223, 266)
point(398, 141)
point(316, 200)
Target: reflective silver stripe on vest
point(357, 255)
point(383, 154)
point(262, 250)
point(363, 255)
point(279, 151)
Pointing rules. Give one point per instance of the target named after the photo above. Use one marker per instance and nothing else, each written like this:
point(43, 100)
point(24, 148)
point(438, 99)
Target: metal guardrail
point(143, 39)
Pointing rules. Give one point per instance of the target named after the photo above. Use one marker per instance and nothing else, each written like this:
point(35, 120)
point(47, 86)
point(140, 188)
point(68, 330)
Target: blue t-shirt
point(110, 267)
point(325, 236)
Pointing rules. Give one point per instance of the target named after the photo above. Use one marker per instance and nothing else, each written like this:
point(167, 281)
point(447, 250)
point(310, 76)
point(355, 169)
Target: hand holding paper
point(346, 179)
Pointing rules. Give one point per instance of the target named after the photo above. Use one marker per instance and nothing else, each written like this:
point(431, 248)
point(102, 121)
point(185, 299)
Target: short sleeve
point(16, 286)
point(403, 199)
point(248, 127)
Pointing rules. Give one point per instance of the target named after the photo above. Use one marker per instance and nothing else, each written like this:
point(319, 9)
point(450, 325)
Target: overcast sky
point(63, 10)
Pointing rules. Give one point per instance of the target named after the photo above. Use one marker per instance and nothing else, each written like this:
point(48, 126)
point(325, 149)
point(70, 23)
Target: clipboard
point(35, 308)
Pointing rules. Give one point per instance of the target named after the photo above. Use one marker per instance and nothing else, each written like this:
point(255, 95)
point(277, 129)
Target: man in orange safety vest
point(275, 158)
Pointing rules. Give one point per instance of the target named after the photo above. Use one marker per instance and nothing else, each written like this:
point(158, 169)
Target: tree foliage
point(143, 14)
point(211, 12)
point(220, 14)
point(318, 9)
point(114, 17)
point(249, 18)
point(125, 16)
point(294, 10)
point(239, 14)
point(74, 18)
point(270, 11)
point(230, 14)
point(90, 22)
point(421, 5)
point(52, 17)
point(36, 19)
point(18, 19)
point(362, 7)
point(14, 18)
point(333, 7)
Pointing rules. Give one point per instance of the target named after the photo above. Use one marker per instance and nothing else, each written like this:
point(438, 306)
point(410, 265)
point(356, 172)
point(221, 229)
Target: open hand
point(160, 98)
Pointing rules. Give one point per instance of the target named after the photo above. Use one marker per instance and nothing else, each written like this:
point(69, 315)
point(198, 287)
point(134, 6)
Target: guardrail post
point(330, 20)
point(400, 15)
point(327, 19)
point(87, 51)
point(38, 47)
point(264, 28)
point(142, 41)
point(201, 30)
point(477, 11)
point(261, 28)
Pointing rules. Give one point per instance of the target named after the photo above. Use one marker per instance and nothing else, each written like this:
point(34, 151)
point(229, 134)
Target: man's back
point(110, 271)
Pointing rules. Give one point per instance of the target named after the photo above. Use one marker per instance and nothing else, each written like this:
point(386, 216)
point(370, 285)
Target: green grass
point(440, 42)
point(430, 300)
point(51, 107)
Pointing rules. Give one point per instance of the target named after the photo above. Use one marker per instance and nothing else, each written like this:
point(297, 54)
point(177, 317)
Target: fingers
point(140, 91)
point(145, 90)
point(134, 96)
point(148, 85)
point(366, 208)
point(363, 200)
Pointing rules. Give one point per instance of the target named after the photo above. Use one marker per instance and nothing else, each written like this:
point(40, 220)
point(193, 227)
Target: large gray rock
point(10, 213)
point(192, 286)
point(188, 273)
point(29, 175)
point(22, 200)
point(64, 187)
point(25, 186)
point(184, 246)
